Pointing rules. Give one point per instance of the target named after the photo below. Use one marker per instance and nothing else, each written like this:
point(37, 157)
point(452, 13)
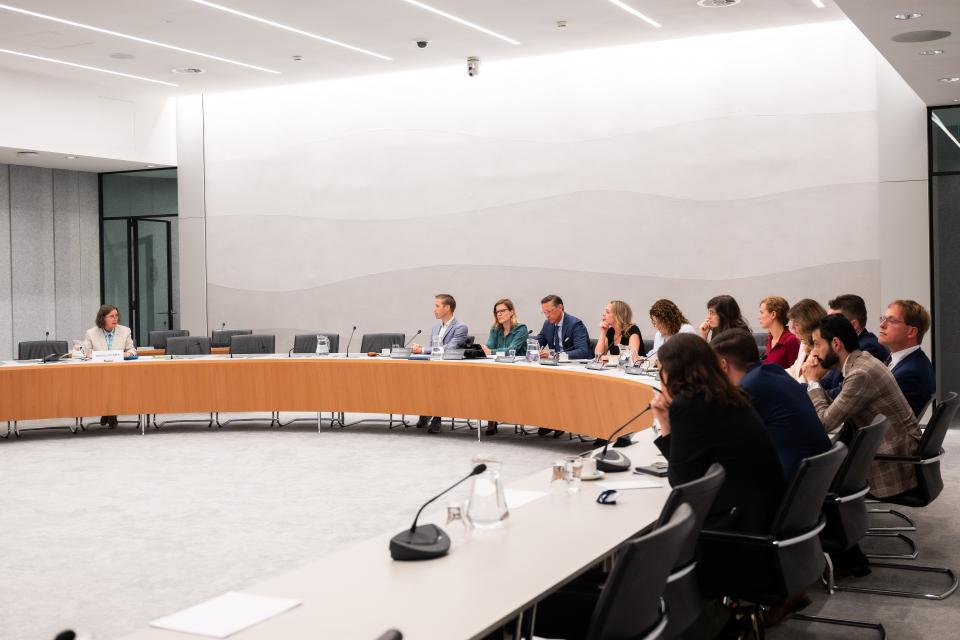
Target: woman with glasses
point(506, 334)
point(109, 335)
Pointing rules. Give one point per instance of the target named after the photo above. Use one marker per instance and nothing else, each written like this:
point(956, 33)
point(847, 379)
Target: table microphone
point(428, 541)
point(419, 331)
point(351, 339)
point(615, 460)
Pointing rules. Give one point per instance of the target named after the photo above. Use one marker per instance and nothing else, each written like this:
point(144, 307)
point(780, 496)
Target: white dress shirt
point(897, 356)
point(658, 338)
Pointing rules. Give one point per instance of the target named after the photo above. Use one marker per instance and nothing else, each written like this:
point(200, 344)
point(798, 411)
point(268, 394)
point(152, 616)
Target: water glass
point(323, 345)
point(533, 350)
point(511, 353)
point(77, 349)
point(626, 359)
point(572, 471)
point(436, 349)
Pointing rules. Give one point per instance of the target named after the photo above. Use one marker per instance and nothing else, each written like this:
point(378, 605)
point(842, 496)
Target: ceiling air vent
point(717, 4)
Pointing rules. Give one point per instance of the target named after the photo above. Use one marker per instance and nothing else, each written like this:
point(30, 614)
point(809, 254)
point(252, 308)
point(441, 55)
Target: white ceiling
point(388, 27)
point(49, 160)
point(875, 18)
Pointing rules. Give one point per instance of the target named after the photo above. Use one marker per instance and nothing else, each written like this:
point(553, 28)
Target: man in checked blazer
point(869, 389)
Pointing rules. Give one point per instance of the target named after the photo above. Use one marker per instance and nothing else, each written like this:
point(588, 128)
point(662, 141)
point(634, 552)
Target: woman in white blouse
point(804, 316)
point(668, 320)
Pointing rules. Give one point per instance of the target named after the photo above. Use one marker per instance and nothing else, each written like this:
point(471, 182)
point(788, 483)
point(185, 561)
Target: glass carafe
point(487, 505)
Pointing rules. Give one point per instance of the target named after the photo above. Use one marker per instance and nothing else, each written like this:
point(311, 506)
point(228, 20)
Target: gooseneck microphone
point(46, 335)
point(223, 325)
point(353, 331)
point(615, 461)
point(428, 541)
point(419, 331)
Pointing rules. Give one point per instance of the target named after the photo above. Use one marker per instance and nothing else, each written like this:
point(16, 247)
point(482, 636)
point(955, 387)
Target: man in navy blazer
point(853, 308)
point(452, 334)
point(901, 330)
point(781, 401)
point(563, 332)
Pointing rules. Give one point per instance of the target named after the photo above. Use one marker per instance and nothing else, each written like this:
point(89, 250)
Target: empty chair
point(770, 569)
point(252, 343)
point(38, 349)
point(188, 346)
point(379, 341)
point(630, 604)
point(222, 337)
point(158, 339)
point(307, 342)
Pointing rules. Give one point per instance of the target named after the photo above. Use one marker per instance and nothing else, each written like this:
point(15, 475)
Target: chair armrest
point(733, 536)
point(882, 457)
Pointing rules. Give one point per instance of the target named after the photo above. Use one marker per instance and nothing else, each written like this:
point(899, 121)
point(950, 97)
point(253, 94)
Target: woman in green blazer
point(505, 334)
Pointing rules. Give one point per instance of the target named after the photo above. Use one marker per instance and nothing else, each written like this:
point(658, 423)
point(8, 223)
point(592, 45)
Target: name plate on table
point(113, 355)
point(453, 354)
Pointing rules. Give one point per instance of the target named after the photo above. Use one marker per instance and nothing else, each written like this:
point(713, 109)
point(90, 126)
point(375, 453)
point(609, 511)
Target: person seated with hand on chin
point(451, 333)
point(506, 334)
point(723, 313)
point(617, 330)
point(109, 335)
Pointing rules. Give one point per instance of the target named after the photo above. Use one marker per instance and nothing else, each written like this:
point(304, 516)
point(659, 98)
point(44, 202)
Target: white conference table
point(488, 578)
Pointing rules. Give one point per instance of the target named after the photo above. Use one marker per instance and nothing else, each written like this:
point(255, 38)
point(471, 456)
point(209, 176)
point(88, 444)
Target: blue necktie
point(109, 337)
point(556, 339)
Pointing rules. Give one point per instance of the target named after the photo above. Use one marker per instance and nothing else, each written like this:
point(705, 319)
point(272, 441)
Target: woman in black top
point(723, 313)
point(705, 419)
point(617, 330)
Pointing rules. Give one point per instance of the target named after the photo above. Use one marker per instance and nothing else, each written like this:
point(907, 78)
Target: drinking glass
point(572, 471)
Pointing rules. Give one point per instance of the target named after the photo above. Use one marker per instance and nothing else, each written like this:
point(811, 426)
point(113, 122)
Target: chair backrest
point(469, 340)
point(630, 603)
point(593, 344)
point(802, 502)
point(188, 346)
point(647, 346)
point(158, 339)
point(253, 343)
point(37, 349)
point(390, 634)
point(221, 338)
point(699, 494)
point(928, 475)
point(307, 342)
point(380, 341)
point(852, 475)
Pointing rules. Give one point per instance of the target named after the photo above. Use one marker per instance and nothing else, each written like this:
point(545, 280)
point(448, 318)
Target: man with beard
point(869, 389)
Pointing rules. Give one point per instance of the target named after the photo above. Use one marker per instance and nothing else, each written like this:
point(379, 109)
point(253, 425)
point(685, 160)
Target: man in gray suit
point(452, 335)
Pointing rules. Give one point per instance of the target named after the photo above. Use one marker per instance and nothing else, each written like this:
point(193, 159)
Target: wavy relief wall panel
point(591, 175)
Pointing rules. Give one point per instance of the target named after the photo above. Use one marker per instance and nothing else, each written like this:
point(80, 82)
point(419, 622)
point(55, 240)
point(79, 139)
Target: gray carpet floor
point(106, 530)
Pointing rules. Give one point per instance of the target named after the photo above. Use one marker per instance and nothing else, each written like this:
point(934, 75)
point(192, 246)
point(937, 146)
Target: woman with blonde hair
point(803, 317)
point(506, 333)
point(617, 330)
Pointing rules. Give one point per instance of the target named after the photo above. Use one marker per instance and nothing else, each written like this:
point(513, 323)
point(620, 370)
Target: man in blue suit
point(452, 335)
point(853, 308)
point(563, 333)
point(901, 330)
point(781, 402)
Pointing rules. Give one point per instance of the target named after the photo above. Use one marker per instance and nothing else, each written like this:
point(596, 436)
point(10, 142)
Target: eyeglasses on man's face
point(890, 320)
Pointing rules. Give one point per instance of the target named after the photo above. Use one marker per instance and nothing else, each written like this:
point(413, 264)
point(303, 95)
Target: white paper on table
point(225, 615)
point(516, 498)
point(623, 485)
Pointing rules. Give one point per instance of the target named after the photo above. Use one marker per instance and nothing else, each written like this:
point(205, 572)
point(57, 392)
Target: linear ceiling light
point(279, 25)
point(83, 66)
point(631, 10)
point(80, 25)
point(817, 3)
point(461, 21)
point(937, 121)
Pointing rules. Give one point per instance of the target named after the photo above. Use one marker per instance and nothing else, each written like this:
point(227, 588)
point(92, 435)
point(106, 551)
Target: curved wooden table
point(568, 398)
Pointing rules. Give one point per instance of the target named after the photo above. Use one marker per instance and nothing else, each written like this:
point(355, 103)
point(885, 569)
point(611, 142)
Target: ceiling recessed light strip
point(460, 21)
point(631, 10)
point(83, 66)
point(278, 25)
point(817, 3)
point(117, 34)
point(937, 121)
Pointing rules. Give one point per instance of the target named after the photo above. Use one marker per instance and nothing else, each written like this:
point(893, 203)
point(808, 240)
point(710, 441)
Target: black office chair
point(307, 342)
point(593, 344)
point(391, 634)
point(188, 346)
point(158, 339)
point(769, 569)
point(630, 604)
point(39, 349)
point(222, 337)
point(760, 337)
point(377, 342)
point(647, 346)
point(184, 346)
point(682, 595)
point(927, 465)
point(845, 510)
point(251, 344)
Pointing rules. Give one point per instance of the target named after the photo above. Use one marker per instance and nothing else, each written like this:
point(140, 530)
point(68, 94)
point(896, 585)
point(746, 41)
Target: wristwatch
point(813, 385)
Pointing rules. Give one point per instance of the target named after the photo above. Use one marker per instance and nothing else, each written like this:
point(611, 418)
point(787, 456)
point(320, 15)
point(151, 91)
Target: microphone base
point(612, 461)
point(425, 542)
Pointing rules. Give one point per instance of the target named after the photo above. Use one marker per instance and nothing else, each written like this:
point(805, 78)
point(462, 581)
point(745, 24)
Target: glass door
point(137, 274)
